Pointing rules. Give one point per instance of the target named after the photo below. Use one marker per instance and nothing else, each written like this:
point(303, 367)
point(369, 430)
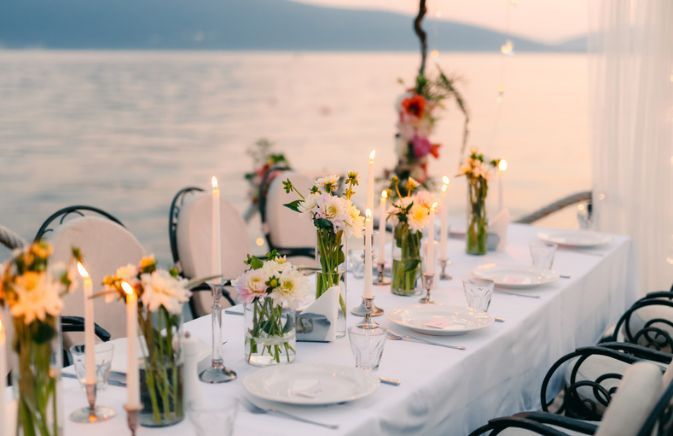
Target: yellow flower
point(42, 249)
point(37, 297)
point(418, 217)
point(281, 260)
point(147, 262)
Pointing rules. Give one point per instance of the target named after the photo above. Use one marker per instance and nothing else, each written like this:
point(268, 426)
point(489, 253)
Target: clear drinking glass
point(356, 263)
point(542, 254)
point(478, 293)
point(367, 343)
point(104, 353)
point(214, 418)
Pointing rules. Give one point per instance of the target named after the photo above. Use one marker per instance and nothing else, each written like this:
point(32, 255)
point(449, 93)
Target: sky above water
point(547, 20)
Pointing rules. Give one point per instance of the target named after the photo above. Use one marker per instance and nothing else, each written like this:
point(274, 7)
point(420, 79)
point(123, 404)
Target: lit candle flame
point(213, 182)
point(446, 180)
point(384, 193)
point(445, 187)
point(82, 271)
point(372, 155)
point(127, 288)
point(368, 215)
point(502, 165)
point(434, 205)
point(2, 331)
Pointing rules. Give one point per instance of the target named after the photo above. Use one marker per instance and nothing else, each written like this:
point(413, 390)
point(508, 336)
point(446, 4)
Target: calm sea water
point(125, 130)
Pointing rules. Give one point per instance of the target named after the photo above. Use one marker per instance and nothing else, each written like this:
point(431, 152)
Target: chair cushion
point(194, 248)
point(513, 431)
point(590, 370)
point(287, 228)
point(638, 393)
point(105, 246)
point(643, 315)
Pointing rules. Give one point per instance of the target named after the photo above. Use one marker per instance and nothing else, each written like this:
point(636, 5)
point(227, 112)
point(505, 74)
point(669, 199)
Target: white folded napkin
point(499, 225)
point(327, 306)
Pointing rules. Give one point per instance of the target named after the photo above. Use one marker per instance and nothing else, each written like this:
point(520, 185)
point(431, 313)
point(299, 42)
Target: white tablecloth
point(443, 391)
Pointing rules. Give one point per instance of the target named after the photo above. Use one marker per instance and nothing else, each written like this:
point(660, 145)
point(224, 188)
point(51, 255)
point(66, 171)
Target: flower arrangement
point(409, 215)
point(271, 289)
point(264, 159)
point(334, 216)
point(32, 290)
point(161, 295)
point(477, 170)
point(417, 111)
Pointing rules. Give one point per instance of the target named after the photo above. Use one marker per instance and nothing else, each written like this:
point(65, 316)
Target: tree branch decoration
point(418, 109)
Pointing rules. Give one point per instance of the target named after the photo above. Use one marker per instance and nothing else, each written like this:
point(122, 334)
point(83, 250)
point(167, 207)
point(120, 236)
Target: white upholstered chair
point(641, 397)
point(287, 231)
point(191, 231)
point(105, 245)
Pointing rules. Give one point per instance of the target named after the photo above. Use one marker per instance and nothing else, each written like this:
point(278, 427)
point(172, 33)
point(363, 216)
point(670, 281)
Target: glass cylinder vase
point(270, 333)
point(406, 259)
point(477, 219)
point(161, 377)
point(331, 256)
point(36, 372)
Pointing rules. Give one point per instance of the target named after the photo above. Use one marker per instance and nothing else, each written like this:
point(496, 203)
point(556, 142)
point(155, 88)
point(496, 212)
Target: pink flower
point(251, 285)
point(422, 146)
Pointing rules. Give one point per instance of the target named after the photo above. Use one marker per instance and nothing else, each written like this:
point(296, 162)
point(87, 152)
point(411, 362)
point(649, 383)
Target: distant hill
point(230, 25)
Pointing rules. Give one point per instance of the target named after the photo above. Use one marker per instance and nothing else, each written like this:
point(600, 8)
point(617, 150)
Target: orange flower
point(434, 150)
point(414, 105)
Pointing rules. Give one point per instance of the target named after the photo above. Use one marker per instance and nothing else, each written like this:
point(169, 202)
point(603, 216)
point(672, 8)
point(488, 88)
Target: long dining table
point(442, 391)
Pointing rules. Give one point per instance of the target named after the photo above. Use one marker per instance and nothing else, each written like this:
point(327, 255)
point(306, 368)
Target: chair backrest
point(106, 245)
point(286, 228)
point(638, 393)
point(648, 322)
point(194, 232)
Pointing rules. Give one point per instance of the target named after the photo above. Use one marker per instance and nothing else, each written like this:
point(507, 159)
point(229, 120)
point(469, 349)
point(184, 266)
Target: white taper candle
point(368, 291)
point(383, 205)
point(443, 218)
point(216, 233)
point(132, 370)
point(370, 180)
point(89, 329)
point(3, 377)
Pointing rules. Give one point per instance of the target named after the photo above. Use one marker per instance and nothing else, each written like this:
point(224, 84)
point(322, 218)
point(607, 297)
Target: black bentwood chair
point(642, 407)
point(105, 244)
point(189, 234)
point(592, 376)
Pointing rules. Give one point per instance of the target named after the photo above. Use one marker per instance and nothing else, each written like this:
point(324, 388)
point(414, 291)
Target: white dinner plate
point(515, 276)
point(575, 238)
point(310, 384)
point(439, 320)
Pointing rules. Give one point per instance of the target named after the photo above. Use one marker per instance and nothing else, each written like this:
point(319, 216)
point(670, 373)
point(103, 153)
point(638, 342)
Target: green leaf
point(323, 223)
point(294, 205)
point(287, 185)
point(254, 262)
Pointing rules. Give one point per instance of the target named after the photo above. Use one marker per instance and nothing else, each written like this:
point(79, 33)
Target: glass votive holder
point(542, 254)
point(104, 353)
point(214, 418)
point(478, 293)
point(367, 342)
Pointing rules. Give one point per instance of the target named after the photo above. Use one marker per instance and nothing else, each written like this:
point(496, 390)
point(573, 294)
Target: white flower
point(251, 284)
point(424, 198)
point(292, 289)
point(333, 209)
point(128, 273)
point(355, 222)
point(418, 217)
point(37, 297)
point(162, 289)
point(328, 183)
point(310, 203)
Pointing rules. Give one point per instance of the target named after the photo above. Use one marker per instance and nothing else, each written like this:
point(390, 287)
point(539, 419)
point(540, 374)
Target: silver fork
point(253, 408)
point(396, 337)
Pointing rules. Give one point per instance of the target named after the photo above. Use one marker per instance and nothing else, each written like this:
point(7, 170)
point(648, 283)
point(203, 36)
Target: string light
point(507, 48)
point(259, 242)
point(434, 54)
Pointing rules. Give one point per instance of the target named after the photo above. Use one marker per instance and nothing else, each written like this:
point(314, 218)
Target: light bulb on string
point(507, 48)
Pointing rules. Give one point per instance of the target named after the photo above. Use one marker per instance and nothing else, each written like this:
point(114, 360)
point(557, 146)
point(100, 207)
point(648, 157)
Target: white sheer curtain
point(631, 65)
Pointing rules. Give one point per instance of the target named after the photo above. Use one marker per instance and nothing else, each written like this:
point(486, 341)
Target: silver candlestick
point(381, 280)
point(444, 275)
point(132, 418)
point(92, 413)
point(217, 372)
point(362, 309)
point(428, 280)
point(368, 322)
